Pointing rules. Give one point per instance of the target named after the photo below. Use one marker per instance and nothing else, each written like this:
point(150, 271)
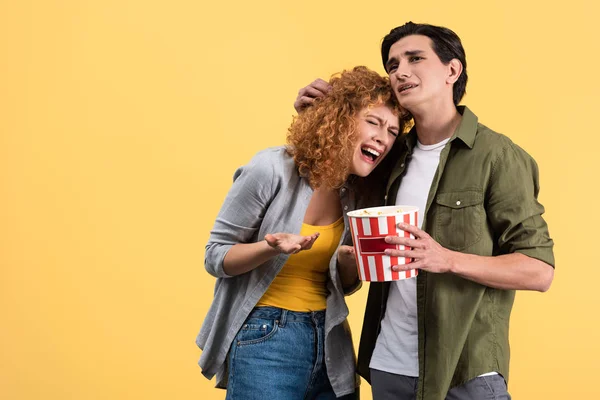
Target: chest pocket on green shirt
point(460, 219)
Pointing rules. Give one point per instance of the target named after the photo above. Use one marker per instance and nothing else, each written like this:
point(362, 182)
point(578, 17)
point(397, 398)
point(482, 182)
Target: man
point(445, 334)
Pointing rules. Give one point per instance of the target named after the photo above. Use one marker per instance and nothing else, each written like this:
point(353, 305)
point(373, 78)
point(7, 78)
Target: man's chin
point(405, 102)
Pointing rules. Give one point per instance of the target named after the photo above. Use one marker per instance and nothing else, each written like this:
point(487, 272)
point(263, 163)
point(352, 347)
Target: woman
point(277, 326)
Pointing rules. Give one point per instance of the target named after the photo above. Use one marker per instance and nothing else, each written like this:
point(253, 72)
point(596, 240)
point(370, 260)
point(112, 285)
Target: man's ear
point(455, 68)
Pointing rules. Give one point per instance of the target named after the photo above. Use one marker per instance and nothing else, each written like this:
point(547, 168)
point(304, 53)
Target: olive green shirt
point(483, 201)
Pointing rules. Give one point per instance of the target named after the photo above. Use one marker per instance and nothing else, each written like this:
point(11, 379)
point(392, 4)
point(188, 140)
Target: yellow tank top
point(300, 285)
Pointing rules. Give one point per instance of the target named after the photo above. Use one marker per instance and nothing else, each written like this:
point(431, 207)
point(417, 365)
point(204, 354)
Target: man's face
point(418, 76)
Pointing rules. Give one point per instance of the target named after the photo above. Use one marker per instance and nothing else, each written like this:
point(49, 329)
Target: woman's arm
point(233, 247)
point(241, 215)
point(245, 257)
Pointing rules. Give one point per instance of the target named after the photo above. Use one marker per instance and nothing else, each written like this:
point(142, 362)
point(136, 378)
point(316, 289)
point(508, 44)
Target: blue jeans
point(279, 354)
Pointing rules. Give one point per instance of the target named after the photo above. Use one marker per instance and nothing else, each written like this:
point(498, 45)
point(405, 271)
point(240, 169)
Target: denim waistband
point(283, 315)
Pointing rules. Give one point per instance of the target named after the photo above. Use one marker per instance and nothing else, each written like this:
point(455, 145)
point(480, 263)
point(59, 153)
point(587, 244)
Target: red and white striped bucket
point(369, 228)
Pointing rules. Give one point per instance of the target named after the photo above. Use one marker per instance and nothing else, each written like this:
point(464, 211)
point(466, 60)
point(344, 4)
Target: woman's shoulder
point(269, 164)
point(276, 154)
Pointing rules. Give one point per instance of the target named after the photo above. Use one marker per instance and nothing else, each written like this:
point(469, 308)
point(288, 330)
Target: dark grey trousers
point(387, 386)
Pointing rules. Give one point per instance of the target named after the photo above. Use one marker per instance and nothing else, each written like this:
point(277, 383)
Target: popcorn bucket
point(369, 228)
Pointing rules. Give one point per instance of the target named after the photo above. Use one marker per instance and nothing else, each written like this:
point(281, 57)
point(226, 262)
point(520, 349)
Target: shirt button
point(458, 203)
point(402, 165)
point(345, 208)
point(343, 190)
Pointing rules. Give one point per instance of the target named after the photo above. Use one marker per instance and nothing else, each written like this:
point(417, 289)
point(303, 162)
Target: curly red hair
point(323, 137)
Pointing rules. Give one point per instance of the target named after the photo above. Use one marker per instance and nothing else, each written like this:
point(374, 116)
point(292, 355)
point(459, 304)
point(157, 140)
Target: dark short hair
point(446, 44)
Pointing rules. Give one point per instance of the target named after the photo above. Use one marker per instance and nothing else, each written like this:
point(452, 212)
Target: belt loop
point(283, 317)
point(318, 317)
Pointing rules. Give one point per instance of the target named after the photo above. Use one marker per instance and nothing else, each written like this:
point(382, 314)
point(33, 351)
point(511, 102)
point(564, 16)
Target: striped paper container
point(369, 228)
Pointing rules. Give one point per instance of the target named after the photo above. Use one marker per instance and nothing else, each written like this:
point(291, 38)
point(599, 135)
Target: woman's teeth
point(373, 154)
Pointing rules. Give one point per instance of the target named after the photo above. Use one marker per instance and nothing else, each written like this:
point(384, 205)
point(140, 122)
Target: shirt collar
point(466, 131)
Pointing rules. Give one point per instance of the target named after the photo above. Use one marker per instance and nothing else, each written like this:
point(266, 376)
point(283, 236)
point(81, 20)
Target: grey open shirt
point(269, 196)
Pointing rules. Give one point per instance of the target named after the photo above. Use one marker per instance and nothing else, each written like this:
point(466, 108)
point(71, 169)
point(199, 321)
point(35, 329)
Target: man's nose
point(402, 72)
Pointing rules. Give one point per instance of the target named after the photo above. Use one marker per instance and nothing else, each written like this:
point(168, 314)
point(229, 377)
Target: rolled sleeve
point(241, 214)
point(513, 210)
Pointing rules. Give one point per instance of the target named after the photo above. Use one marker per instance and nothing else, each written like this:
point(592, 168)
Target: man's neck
point(436, 123)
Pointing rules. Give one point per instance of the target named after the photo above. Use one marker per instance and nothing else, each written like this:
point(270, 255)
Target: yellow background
point(122, 122)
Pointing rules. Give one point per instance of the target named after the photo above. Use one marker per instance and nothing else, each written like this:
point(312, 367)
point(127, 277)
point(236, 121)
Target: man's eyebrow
point(407, 53)
point(413, 52)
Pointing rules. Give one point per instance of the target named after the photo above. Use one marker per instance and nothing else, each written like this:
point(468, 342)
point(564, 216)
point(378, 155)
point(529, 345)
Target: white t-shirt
point(396, 350)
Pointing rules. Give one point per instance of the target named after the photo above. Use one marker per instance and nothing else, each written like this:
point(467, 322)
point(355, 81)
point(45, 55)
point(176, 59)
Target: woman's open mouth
point(370, 154)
